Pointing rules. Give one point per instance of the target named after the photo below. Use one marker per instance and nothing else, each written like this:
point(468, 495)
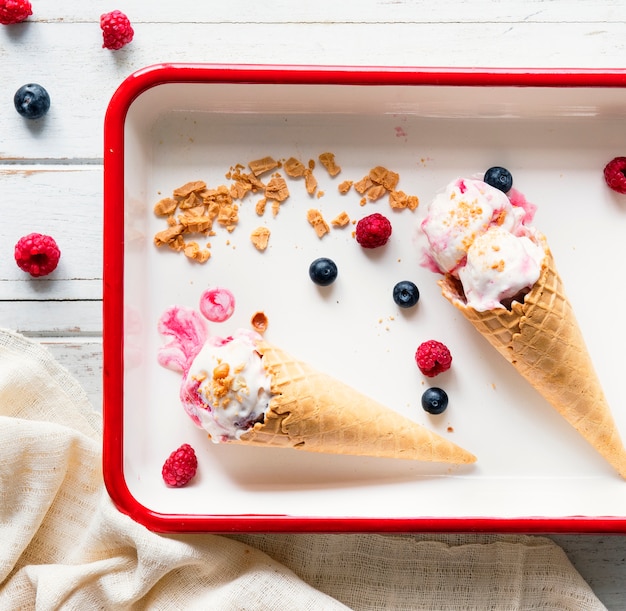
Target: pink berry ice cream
point(228, 387)
point(480, 236)
point(225, 388)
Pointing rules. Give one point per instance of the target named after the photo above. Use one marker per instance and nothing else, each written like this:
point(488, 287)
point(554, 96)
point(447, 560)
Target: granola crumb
point(260, 206)
point(165, 207)
point(328, 161)
point(361, 186)
point(316, 220)
point(260, 238)
point(384, 177)
point(310, 181)
point(399, 200)
point(345, 186)
point(193, 251)
point(294, 168)
point(264, 165)
point(320, 194)
point(189, 187)
point(341, 220)
point(375, 192)
point(277, 189)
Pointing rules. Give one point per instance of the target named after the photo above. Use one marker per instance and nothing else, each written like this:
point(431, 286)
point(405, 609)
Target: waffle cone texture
point(542, 340)
point(315, 412)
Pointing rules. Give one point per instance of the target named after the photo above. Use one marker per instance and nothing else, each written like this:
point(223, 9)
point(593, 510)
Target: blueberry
point(434, 400)
point(406, 294)
point(31, 101)
point(323, 271)
point(500, 178)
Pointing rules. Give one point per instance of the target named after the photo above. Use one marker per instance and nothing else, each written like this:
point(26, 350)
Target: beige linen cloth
point(63, 544)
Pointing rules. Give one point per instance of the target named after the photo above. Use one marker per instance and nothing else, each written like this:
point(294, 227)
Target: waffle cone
point(542, 340)
point(315, 412)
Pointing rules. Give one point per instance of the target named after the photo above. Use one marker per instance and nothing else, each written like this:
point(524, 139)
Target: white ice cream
point(462, 212)
point(499, 265)
point(232, 385)
point(477, 235)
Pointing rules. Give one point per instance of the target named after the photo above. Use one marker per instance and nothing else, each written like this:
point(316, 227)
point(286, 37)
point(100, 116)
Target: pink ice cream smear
point(217, 304)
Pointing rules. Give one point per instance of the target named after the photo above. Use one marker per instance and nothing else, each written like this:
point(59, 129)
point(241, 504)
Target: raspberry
point(116, 30)
point(37, 254)
point(615, 174)
point(373, 231)
point(14, 11)
point(433, 358)
point(180, 467)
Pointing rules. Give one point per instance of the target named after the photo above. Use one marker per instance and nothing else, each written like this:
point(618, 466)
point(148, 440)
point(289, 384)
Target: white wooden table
point(51, 173)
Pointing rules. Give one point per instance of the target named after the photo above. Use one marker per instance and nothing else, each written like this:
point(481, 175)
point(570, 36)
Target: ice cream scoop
point(227, 386)
point(463, 211)
point(499, 267)
point(480, 236)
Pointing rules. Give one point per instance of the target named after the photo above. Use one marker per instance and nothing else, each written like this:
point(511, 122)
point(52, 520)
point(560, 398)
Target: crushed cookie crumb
point(277, 189)
point(375, 192)
point(189, 187)
point(260, 238)
point(345, 186)
point(310, 182)
point(195, 253)
point(294, 168)
point(384, 177)
point(361, 186)
point(328, 161)
point(259, 208)
point(165, 207)
point(399, 200)
point(316, 220)
point(341, 220)
point(228, 216)
point(264, 165)
point(167, 236)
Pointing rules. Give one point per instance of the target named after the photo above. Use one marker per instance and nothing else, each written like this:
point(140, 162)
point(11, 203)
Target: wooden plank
point(82, 357)
point(66, 203)
point(52, 318)
point(73, 127)
point(331, 11)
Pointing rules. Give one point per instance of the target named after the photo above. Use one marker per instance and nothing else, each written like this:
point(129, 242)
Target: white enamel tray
point(171, 124)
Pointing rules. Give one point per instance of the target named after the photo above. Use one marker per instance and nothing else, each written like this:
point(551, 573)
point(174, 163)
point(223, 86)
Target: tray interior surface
point(530, 462)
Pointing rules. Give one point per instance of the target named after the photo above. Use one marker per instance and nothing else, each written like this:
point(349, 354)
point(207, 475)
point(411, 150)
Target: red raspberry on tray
point(180, 467)
point(432, 358)
point(373, 231)
point(116, 30)
point(37, 254)
point(615, 174)
point(14, 11)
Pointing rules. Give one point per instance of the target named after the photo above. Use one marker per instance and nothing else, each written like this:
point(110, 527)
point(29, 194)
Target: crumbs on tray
point(194, 211)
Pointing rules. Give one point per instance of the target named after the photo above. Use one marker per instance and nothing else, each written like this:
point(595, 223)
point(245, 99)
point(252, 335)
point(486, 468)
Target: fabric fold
point(66, 546)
